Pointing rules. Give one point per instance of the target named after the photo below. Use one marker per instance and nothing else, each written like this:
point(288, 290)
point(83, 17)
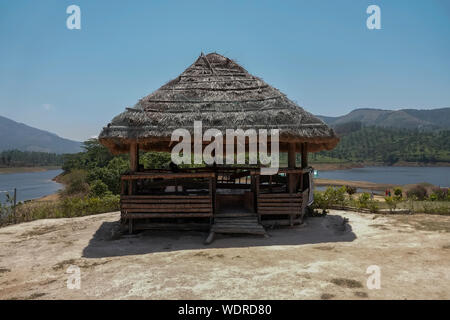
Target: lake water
point(29, 185)
point(32, 185)
point(439, 176)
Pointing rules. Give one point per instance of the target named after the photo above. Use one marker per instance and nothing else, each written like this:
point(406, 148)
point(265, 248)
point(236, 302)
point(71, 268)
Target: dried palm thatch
point(221, 94)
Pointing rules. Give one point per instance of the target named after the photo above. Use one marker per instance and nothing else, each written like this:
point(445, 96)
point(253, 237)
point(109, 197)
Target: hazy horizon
point(321, 55)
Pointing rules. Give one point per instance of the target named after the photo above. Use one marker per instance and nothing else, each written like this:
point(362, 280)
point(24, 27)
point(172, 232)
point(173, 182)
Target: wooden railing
point(192, 192)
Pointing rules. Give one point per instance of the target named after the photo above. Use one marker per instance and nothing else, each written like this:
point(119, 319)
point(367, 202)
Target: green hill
point(389, 145)
point(403, 119)
point(18, 136)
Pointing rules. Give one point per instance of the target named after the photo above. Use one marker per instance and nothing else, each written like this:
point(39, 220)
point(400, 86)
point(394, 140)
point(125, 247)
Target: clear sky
point(320, 53)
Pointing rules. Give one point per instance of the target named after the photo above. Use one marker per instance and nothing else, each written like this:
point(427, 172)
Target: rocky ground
point(327, 258)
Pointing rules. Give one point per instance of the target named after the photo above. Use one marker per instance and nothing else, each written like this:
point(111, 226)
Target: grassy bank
point(416, 200)
point(356, 184)
point(68, 207)
point(344, 165)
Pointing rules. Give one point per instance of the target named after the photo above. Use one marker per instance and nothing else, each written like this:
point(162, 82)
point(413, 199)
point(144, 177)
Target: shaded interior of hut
point(203, 194)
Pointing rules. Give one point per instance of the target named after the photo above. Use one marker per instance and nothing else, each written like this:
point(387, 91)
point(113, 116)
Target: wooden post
point(212, 194)
point(304, 155)
point(256, 197)
point(134, 157)
point(304, 149)
point(292, 177)
point(134, 165)
point(122, 187)
point(291, 155)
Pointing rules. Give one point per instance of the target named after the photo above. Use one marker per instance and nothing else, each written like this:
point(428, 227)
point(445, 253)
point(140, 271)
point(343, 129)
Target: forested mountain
point(16, 158)
point(403, 119)
point(18, 136)
point(389, 145)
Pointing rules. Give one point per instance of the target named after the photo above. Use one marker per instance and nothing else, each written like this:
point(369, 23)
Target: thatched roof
point(221, 94)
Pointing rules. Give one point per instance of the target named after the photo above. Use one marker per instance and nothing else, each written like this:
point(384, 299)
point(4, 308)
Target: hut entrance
point(234, 192)
point(234, 203)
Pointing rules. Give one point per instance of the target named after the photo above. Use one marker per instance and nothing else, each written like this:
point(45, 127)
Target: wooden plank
point(130, 187)
point(280, 195)
point(168, 201)
point(150, 210)
point(216, 221)
point(291, 200)
point(233, 185)
point(166, 175)
point(286, 209)
point(162, 197)
point(122, 187)
point(239, 230)
point(276, 212)
point(165, 206)
point(280, 205)
point(172, 226)
point(167, 215)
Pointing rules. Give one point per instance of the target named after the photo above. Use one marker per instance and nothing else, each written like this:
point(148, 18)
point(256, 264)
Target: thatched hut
point(223, 95)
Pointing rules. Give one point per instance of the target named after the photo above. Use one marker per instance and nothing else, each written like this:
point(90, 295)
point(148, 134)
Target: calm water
point(30, 185)
point(439, 176)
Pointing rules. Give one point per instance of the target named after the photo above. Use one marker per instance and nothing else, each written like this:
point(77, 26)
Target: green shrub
point(320, 201)
point(417, 192)
point(331, 197)
point(433, 207)
point(373, 206)
point(398, 193)
point(441, 194)
point(350, 190)
point(363, 200)
point(65, 208)
point(99, 189)
point(155, 160)
point(392, 202)
point(76, 183)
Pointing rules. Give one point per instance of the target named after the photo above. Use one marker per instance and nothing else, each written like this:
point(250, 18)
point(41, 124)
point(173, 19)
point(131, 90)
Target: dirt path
point(326, 259)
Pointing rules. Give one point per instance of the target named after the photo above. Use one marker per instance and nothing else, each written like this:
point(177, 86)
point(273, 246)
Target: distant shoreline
point(352, 165)
point(7, 170)
point(320, 182)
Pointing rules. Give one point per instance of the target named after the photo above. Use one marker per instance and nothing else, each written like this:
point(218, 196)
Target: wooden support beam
point(257, 181)
point(304, 155)
point(134, 157)
point(134, 165)
point(292, 178)
point(291, 155)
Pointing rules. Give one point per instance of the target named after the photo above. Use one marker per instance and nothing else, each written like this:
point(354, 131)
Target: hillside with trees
point(387, 145)
point(16, 158)
point(434, 119)
point(19, 136)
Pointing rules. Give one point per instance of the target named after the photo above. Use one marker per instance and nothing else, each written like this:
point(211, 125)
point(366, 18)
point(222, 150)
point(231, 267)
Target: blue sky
point(320, 53)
